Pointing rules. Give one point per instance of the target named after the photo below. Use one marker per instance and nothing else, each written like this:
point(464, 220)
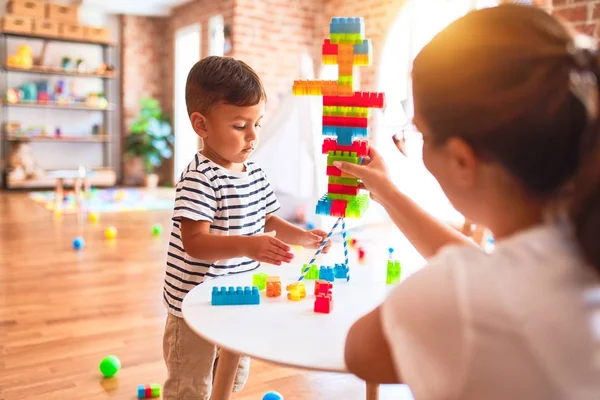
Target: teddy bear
point(22, 165)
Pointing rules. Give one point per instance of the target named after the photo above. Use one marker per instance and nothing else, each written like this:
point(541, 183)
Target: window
point(216, 28)
point(187, 53)
point(417, 23)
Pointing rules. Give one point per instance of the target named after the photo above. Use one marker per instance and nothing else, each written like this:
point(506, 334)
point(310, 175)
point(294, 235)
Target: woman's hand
point(372, 172)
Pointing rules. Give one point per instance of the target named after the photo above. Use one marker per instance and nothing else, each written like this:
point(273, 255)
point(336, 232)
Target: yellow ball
point(93, 217)
point(110, 232)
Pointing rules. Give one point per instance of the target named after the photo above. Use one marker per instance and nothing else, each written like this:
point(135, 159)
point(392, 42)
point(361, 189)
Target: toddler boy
point(223, 207)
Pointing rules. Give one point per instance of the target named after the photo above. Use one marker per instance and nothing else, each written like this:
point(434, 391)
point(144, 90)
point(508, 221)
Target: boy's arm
point(199, 243)
point(294, 235)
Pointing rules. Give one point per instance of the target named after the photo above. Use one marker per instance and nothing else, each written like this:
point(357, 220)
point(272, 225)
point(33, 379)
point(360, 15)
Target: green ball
point(109, 366)
point(157, 229)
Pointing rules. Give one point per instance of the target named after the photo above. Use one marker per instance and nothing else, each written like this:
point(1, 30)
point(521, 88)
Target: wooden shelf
point(50, 104)
point(65, 139)
point(59, 71)
point(55, 38)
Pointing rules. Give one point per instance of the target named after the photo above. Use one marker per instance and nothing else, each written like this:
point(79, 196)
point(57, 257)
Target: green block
point(393, 272)
point(313, 272)
point(336, 196)
point(357, 206)
point(346, 38)
point(260, 280)
point(345, 80)
point(346, 156)
point(339, 111)
point(336, 180)
point(155, 387)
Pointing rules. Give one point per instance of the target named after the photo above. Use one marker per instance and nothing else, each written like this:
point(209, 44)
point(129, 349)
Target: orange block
point(273, 286)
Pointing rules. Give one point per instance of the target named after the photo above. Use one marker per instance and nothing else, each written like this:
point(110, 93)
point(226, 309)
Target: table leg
point(372, 391)
point(225, 375)
point(58, 193)
point(78, 183)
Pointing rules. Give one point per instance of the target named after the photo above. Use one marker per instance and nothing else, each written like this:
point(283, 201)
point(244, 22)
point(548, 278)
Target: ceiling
point(134, 7)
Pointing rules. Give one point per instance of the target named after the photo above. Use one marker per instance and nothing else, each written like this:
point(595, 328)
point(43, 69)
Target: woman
point(508, 109)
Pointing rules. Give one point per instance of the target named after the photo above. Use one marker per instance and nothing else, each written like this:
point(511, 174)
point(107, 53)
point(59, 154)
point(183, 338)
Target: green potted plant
point(150, 140)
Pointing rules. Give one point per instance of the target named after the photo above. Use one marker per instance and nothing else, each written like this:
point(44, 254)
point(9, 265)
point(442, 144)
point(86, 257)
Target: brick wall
point(583, 15)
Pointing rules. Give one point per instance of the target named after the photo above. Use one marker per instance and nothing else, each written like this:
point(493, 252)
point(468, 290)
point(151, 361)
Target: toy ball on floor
point(109, 366)
point(157, 229)
point(78, 243)
point(272, 396)
point(92, 217)
point(110, 232)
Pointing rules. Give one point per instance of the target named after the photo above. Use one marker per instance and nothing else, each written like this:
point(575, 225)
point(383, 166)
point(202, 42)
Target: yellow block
point(362, 59)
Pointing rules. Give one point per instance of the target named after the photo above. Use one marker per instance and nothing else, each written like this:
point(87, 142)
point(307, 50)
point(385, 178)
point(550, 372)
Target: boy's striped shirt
point(235, 203)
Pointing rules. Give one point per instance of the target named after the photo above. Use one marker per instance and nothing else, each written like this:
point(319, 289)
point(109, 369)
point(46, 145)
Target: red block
point(342, 189)
point(359, 99)
point(148, 392)
point(329, 49)
point(323, 287)
point(351, 122)
point(360, 147)
point(323, 304)
point(338, 208)
point(333, 171)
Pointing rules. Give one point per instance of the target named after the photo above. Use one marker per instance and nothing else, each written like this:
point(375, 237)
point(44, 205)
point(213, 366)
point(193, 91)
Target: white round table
point(282, 331)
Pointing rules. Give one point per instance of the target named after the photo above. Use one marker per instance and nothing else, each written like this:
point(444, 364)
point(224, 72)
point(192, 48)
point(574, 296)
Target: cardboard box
point(44, 27)
point(94, 34)
point(71, 31)
point(14, 24)
point(27, 8)
point(62, 13)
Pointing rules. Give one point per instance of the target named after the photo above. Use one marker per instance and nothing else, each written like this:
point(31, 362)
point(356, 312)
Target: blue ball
point(309, 226)
point(272, 396)
point(78, 243)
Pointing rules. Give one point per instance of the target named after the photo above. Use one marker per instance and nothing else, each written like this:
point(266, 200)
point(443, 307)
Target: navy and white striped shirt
point(235, 203)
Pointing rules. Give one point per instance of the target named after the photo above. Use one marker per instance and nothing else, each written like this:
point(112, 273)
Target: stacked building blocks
point(346, 115)
point(296, 291)
point(393, 272)
point(322, 287)
point(326, 273)
point(259, 280)
point(148, 391)
point(230, 296)
point(273, 286)
point(312, 273)
point(341, 271)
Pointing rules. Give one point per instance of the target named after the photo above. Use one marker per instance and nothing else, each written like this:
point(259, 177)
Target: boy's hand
point(266, 248)
point(312, 240)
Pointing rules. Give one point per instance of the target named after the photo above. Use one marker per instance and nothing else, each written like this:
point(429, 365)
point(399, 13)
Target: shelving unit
point(105, 172)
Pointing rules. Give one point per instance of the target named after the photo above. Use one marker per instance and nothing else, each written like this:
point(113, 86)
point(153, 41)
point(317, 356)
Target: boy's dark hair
point(500, 79)
point(222, 79)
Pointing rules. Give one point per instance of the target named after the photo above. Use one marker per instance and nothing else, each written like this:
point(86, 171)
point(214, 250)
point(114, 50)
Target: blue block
point(340, 271)
point(326, 273)
point(234, 296)
point(364, 48)
point(324, 206)
point(347, 25)
point(345, 135)
point(141, 392)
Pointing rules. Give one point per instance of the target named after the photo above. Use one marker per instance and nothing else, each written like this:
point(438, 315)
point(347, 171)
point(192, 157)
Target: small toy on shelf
point(22, 164)
point(109, 366)
point(273, 286)
point(296, 291)
point(66, 63)
point(230, 296)
point(13, 95)
point(393, 272)
point(148, 391)
point(23, 58)
point(259, 280)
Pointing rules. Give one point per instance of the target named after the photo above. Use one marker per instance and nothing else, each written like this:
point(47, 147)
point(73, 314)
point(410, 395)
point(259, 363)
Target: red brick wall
point(271, 36)
point(583, 15)
point(144, 61)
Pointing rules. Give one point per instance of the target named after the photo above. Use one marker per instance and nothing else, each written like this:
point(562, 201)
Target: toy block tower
point(346, 115)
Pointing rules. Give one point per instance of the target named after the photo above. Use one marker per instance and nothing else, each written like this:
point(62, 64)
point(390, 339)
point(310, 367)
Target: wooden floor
point(61, 311)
